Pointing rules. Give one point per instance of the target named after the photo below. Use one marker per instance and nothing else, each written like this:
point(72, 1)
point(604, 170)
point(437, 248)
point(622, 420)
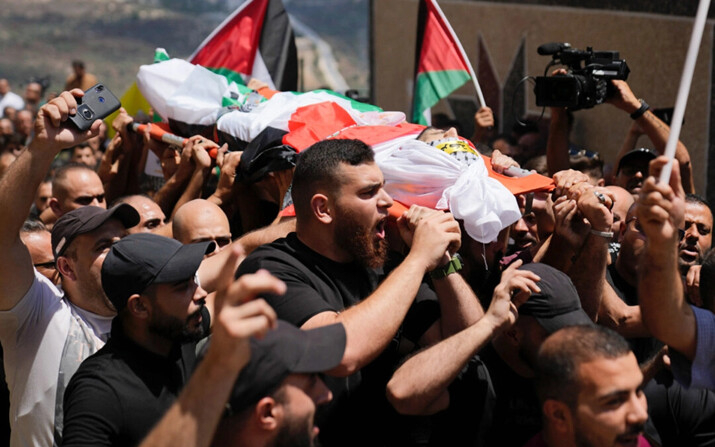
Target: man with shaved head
point(200, 220)
point(37, 239)
point(152, 218)
point(74, 186)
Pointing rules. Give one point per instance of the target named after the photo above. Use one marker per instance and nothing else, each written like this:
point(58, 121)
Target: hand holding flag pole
point(156, 132)
point(685, 81)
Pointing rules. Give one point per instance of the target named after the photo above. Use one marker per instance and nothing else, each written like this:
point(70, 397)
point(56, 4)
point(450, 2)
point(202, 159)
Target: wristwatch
point(641, 110)
point(453, 266)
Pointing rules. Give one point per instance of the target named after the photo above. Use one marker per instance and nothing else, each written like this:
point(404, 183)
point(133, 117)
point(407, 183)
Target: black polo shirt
point(118, 394)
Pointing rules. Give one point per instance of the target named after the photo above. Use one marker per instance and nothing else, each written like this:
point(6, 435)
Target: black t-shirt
point(644, 348)
point(315, 283)
point(118, 394)
point(359, 412)
point(682, 417)
point(517, 412)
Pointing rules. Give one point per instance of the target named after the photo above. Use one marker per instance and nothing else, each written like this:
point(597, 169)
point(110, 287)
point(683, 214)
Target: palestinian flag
point(256, 41)
point(440, 67)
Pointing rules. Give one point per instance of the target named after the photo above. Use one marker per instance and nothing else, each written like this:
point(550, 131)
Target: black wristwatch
point(453, 266)
point(641, 110)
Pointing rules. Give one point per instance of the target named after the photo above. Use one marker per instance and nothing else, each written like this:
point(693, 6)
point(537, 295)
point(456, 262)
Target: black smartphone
point(97, 103)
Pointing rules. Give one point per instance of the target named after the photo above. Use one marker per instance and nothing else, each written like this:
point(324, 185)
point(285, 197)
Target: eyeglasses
point(46, 265)
point(591, 155)
point(87, 200)
point(630, 171)
point(220, 241)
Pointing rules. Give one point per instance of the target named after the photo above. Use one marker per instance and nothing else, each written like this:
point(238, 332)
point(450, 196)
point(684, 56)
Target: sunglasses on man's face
point(46, 265)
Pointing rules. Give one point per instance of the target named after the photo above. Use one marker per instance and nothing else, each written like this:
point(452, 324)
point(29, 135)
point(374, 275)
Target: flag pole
point(684, 90)
point(464, 55)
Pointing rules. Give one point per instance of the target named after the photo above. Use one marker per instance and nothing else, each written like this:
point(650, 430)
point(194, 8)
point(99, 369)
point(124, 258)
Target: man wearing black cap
point(152, 282)
point(633, 169)
point(274, 398)
point(46, 333)
point(511, 358)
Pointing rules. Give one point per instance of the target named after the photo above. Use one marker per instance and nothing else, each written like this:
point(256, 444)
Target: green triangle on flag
point(440, 67)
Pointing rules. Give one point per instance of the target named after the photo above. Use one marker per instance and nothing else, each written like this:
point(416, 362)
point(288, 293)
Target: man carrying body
point(44, 332)
point(589, 384)
point(341, 211)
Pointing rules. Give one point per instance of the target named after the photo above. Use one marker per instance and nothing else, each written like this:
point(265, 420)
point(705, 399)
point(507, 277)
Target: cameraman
point(646, 122)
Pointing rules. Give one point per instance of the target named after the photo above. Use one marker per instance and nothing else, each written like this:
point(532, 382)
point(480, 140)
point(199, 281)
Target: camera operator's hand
point(623, 97)
point(51, 128)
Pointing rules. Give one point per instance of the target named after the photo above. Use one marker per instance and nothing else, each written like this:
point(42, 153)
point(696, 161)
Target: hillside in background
point(40, 38)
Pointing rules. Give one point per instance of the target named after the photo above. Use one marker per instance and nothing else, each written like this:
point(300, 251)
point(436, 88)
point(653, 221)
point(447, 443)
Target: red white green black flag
point(440, 65)
point(255, 41)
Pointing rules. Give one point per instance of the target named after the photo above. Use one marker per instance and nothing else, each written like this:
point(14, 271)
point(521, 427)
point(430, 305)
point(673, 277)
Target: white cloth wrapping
point(185, 92)
point(417, 173)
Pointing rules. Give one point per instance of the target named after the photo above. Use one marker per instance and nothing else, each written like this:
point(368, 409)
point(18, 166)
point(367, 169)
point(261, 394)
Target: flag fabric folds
point(256, 41)
point(415, 172)
point(440, 67)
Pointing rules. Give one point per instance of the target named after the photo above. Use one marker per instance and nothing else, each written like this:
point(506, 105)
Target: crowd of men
point(196, 309)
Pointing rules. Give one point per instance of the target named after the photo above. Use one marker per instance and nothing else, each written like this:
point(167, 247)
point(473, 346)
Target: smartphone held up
point(97, 103)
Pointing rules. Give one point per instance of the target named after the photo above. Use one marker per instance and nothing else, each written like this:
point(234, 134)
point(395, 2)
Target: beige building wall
point(653, 45)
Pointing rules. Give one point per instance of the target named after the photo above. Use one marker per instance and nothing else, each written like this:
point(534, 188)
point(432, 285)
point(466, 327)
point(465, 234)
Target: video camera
point(587, 82)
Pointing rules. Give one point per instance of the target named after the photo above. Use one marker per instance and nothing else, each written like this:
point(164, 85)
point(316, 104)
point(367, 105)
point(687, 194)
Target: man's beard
point(294, 433)
point(174, 329)
point(583, 440)
point(360, 241)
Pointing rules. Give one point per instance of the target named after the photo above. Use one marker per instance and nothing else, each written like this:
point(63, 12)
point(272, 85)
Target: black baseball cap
point(86, 219)
point(265, 153)
point(558, 304)
point(283, 351)
point(139, 260)
point(641, 153)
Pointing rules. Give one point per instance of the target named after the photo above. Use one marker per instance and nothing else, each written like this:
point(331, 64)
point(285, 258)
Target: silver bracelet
point(606, 234)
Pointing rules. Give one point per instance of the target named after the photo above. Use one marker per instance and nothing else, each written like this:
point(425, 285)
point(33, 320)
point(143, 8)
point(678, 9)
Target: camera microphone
point(548, 49)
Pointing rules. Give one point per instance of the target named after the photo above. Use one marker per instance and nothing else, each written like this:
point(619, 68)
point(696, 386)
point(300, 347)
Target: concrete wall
point(501, 41)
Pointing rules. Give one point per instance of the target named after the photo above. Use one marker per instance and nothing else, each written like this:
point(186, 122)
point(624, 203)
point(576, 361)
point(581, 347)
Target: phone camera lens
point(100, 99)
point(87, 114)
point(99, 88)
